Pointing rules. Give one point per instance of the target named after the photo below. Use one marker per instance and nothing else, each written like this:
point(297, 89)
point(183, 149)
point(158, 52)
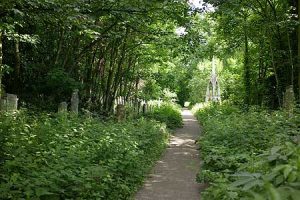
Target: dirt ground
point(174, 176)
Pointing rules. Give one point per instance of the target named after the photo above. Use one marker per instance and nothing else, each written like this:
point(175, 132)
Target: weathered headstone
point(12, 102)
point(144, 108)
point(63, 107)
point(289, 99)
point(120, 112)
point(74, 101)
point(9, 102)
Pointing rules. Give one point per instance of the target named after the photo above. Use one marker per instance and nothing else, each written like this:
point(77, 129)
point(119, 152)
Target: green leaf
point(241, 182)
point(42, 191)
point(275, 149)
point(252, 184)
point(257, 196)
point(274, 194)
point(287, 170)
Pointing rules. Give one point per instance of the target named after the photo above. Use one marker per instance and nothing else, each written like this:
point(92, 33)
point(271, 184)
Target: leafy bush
point(66, 157)
point(249, 155)
point(167, 113)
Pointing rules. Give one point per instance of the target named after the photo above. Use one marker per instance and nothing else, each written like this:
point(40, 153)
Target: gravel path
point(174, 176)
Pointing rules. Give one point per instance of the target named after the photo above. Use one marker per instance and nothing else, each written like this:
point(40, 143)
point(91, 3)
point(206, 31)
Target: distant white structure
point(213, 88)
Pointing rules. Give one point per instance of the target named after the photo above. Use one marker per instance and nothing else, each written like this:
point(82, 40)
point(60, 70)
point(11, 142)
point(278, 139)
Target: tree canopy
point(135, 50)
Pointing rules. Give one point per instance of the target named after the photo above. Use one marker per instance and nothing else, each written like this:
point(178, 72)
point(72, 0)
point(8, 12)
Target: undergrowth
point(167, 113)
point(249, 155)
point(49, 156)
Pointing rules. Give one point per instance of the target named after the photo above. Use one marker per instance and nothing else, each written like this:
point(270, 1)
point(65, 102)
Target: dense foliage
point(48, 156)
point(106, 49)
point(249, 155)
point(167, 113)
point(134, 51)
point(262, 35)
point(256, 44)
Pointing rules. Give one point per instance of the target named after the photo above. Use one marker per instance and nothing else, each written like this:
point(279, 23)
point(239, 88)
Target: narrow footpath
point(174, 176)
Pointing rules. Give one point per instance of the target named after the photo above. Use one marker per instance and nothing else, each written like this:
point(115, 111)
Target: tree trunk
point(118, 75)
point(111, 72)
point(247, 81)
point(130, 84)
point(1, 61)
point(17, 67)
point(137, 82)
point(276, 77)
point(291, 59)
point(59, 47)
point(299, 51)
point(261, 74)
point(126, 85)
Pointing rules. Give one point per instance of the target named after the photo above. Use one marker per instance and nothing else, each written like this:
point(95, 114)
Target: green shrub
point(66, 157)
point(245, 156)
point(167, 113)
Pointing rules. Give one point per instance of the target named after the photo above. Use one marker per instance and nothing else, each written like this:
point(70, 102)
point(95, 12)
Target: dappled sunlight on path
point(174, 176)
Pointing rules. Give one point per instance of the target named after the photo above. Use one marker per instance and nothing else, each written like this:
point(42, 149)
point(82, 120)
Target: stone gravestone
point(12, 102)
point(289, 100)
point(74, 101)
point(120, 114)
point(63, 107)
point(144, 108)
point(9, 103)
